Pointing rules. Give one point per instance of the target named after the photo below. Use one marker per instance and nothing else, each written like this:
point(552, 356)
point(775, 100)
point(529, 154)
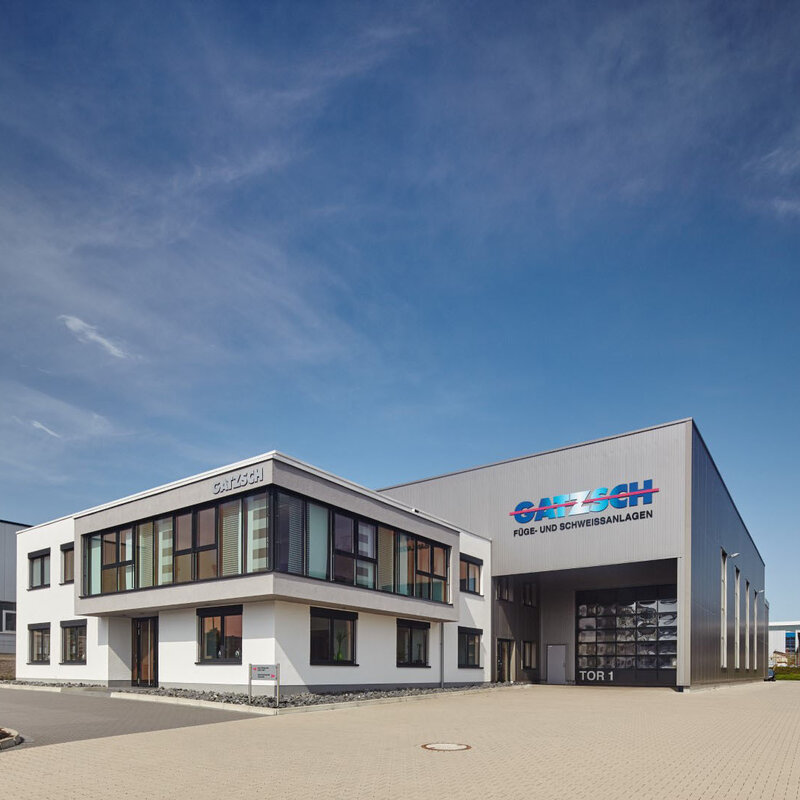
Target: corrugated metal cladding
point(717, 527)
point(481, 500)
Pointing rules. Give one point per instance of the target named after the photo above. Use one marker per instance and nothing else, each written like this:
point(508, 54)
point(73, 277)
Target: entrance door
point(505, 658)
point(556, 663)
point(144, 658)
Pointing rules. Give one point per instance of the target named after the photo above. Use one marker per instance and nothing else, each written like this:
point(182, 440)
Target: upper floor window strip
point(233, 537)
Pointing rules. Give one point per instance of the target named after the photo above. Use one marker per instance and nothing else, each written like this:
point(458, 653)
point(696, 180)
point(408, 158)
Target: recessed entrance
point(144, 656)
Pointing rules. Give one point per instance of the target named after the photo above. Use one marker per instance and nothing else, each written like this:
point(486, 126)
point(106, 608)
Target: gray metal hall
point(622, 560)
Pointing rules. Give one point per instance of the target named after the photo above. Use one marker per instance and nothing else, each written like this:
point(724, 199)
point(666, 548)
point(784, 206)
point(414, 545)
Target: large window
point(271, 529)
point(290, 534)
point(412, 643)
point(117, 561)
point(469, 647)
point(256, 526)
point(73, 642)
point(333, 637)
point(39, 569)
point(470, 574)
point(68, 562)
point(39, 643)
point(220, 635)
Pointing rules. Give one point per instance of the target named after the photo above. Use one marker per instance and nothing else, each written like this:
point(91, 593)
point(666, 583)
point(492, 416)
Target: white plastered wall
point(474, 612)
point(54, 604)
point(177, 648)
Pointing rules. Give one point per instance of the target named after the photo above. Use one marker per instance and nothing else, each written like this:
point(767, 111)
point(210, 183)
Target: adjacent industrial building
point(618, 561)
point(632, 552)
point(8, 585)
point(784, 638)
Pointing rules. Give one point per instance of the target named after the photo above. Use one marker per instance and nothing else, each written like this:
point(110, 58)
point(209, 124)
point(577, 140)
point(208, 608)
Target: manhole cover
point(447, 746)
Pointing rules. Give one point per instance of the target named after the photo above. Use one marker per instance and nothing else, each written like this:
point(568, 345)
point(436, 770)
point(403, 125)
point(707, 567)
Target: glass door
point(144, 657)
point(505, 655)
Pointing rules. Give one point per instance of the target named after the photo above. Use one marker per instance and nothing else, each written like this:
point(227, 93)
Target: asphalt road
point(54, 717)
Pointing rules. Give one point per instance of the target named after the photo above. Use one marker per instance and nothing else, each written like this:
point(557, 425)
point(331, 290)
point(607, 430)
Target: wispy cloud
point(39, 426)
point(88, 334)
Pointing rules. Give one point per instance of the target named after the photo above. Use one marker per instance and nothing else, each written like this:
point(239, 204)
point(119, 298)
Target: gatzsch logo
point(623, 495)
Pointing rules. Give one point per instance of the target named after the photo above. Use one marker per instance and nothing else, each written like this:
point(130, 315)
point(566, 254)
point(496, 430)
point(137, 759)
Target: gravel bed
point(287, 701)
point(299, 699)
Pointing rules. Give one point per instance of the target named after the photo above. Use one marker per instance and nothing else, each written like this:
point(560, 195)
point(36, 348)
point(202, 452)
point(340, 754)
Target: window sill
point(36, 588)
point(470, 666)
point(413, 666)
point(69, 663)
point(35, 663)
point(333, 663)
point(223, 661)
point(473, 594)
point(66, 583)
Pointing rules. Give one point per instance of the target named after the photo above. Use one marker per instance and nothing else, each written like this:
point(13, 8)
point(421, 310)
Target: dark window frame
point(529, 594)
point(469, 633)
point(222, 612)
point(529, 648)
point(504, 589)
point(117, 563)
point(39, 627)
point(463, 583)
point(412, 625)
point(72, 625)
point(69, 547)
point(271, 492)
point(36, 562)
point(4, 614)
point(331, 615)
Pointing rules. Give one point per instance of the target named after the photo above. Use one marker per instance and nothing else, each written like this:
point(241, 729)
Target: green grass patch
point(787, 673)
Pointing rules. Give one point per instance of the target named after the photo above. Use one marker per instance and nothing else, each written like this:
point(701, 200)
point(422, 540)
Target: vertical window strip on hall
point(233, 537)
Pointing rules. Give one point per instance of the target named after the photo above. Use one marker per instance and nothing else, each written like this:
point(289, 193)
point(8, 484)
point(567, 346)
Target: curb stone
point(11, 740)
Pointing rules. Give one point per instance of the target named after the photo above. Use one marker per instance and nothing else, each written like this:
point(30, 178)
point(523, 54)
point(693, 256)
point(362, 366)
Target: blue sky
point(395, 240)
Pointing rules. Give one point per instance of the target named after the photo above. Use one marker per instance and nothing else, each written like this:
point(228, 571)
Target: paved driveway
point(527, 742)
point(54, 717)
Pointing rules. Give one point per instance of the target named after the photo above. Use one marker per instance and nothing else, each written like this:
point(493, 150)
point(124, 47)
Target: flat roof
point(273, 455)
point(537, 455)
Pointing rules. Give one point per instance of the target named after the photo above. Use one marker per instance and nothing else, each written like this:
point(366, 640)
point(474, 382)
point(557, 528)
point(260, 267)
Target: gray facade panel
point(481, 500)
point(297, 480)
point(8, 560)
point(717, 526)
point(169, 500)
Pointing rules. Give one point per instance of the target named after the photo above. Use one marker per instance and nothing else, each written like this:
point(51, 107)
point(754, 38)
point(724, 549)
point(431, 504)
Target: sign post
point(264, 672)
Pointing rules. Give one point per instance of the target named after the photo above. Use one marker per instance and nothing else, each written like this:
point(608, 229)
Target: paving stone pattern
point(532, 742)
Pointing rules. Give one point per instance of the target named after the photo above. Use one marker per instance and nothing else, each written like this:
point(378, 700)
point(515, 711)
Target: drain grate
point(445, 746)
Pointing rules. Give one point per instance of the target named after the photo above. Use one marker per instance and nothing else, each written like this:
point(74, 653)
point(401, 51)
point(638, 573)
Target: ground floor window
point(73, 642)
point(412, 643)
point(220, 635)
point(333, 637)
point(39, 643)
point(529, 655)
point(469, 647)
